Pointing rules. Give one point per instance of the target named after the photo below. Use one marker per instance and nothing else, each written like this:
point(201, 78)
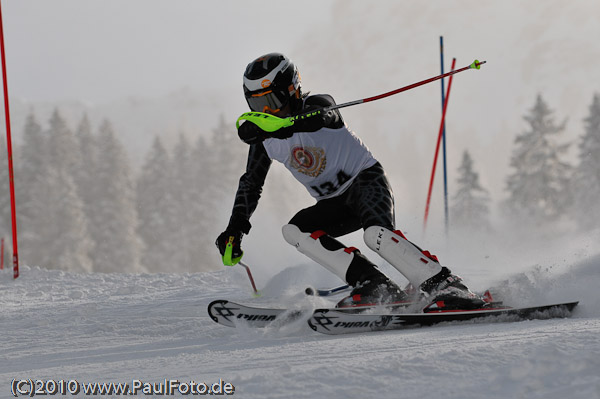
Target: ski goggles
point(266, 101)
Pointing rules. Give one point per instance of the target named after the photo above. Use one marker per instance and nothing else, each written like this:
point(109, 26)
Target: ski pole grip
point(227, 257)
point(267, 122)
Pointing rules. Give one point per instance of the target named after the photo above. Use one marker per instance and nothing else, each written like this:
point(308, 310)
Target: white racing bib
point(325, 161)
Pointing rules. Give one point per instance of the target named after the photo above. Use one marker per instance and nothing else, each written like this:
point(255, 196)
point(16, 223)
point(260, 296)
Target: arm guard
point(250, 133)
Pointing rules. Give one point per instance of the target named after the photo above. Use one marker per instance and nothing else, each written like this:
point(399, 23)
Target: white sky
point(100, 50)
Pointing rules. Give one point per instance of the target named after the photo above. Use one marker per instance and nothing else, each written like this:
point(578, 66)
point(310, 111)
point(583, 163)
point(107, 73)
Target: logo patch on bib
point(310, 161)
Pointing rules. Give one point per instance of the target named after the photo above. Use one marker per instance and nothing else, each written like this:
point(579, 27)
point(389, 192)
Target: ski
point(332, 321)
point(230, 313)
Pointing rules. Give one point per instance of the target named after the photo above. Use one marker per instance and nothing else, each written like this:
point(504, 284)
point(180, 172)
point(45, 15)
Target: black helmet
point(270, 82)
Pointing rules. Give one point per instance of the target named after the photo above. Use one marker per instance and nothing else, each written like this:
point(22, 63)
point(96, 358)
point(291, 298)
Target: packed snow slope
point(151, 327)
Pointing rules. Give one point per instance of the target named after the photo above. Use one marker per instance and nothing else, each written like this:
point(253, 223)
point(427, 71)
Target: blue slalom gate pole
point(444, 139)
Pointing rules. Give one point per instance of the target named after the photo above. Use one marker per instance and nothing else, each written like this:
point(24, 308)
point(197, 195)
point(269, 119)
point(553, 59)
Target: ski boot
point(378, 290)
point(449, 293)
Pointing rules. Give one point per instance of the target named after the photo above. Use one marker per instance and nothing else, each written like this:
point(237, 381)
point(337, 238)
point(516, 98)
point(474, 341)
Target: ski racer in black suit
point(348, 183)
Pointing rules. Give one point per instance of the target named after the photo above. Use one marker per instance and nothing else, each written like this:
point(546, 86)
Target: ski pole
point(256, 292)
point(326, 292)
point(475, 65)
point(272, 123)
point(229, 261)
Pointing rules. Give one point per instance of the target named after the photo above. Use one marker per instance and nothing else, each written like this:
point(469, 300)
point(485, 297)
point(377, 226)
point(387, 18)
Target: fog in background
point(163, 68)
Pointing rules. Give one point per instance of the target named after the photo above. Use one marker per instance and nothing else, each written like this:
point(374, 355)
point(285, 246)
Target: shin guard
point(416, 265)
point(336, 260)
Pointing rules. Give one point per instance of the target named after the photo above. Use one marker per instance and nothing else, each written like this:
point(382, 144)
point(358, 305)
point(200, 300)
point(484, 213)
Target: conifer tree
point(86, 162)
point(470, 209)
point(65, 243)
point(30, 165)
point(54, 231)
point(188, 211)
point(538, 187)
point(205, 207)
point(5, 211)
point(227, 160)
point(155, 209)
point(29, 171)
point(5, 206)
point(63, 150)
point(114, 221)
point(587, 176)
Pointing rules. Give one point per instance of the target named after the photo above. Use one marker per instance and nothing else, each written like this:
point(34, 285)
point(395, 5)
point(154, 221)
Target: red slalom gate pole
point(437, 149)
point(2, 255)
point(11, 176)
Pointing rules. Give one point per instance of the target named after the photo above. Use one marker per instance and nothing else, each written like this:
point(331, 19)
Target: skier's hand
point(319, 119)
point(233, 236)
point(249, 133)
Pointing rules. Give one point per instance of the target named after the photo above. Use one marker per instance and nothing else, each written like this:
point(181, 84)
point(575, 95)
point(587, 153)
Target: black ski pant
point(369, 201)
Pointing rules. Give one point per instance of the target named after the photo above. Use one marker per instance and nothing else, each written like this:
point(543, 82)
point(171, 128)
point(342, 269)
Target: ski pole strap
point(227, 260)
point(271, 123)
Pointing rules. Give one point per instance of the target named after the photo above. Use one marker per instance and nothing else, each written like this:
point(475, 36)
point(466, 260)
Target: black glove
point(223, 240)
point(315, 120)
point(250, 133)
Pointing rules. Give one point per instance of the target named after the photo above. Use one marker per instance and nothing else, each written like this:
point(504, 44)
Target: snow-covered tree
point(114, 220)
point(86, 162)
point(29, 173)
point(189, 211)
point(72, 243)
point(53, 231)
point(65, 243)
point(62, 147)
point(29, 167)
point(155, 209)
point(538, 187)
point(206, 208)
point(587, 175)
point(5, 211)
point(225, 162)
point(470, 206)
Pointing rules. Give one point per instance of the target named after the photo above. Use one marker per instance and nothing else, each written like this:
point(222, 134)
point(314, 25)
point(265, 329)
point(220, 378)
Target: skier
point(349, 184)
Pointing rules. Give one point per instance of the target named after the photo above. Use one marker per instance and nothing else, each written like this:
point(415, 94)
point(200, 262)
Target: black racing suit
point(367, 202)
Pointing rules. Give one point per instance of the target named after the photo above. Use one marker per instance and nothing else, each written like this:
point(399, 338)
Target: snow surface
point(120, 327)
